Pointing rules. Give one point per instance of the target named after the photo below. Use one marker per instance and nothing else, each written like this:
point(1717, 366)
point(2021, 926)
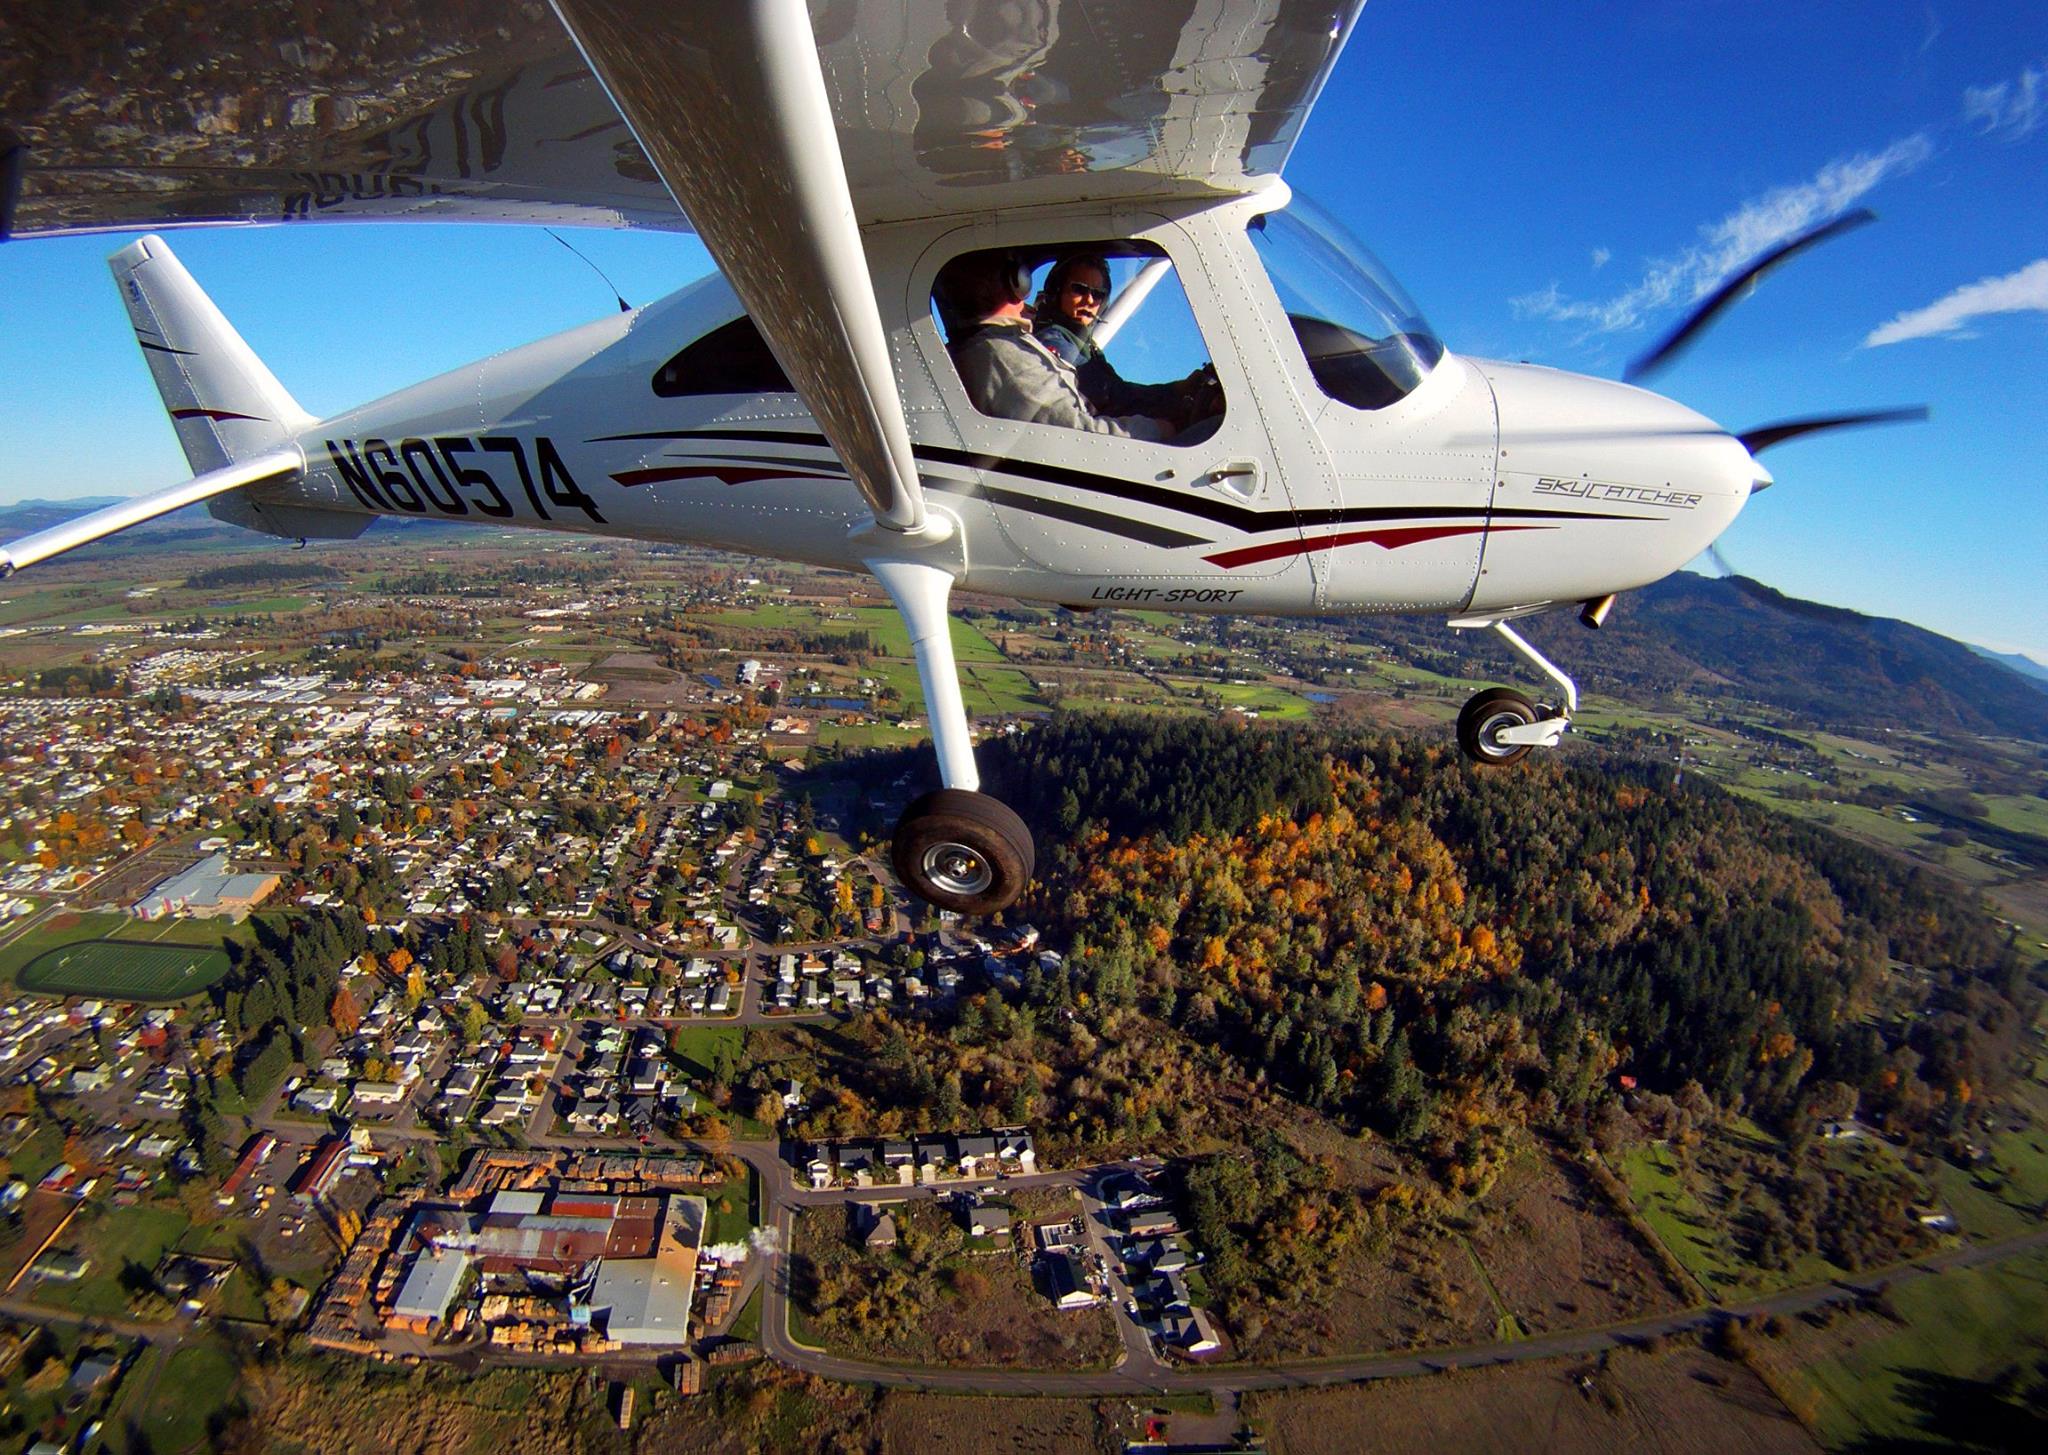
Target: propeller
point(1765, 435)
point(1737, 288)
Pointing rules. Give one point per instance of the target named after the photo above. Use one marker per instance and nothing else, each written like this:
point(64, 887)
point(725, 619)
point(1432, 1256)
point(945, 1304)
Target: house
point(977, 1156)
point(1014, 1149)
point(988, 1222)
point(1160, 1255)
point(881, 1230)
point(1155, 1224)
point(1065, 1281)
point(896, 1160)
point(819, 1166)
point(857, 1162)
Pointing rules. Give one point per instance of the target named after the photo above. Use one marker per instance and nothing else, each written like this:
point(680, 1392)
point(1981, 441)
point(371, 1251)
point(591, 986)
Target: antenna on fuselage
point(624, 306)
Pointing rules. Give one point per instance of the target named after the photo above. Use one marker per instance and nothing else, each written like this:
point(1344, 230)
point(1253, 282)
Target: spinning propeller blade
point(1736, 287)
point(1765, 435)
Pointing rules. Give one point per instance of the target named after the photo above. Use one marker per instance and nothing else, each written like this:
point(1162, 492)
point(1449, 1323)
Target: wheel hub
point(957, 869)
point(1495, 724)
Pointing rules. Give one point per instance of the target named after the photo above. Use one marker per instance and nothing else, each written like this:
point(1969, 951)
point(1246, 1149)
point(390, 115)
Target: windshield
point(1366, 342)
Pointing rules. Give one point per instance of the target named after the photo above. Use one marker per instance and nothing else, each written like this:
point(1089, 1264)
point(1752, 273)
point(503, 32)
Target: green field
point(160, 941)
point(1680, 1221)
point(125, 970)
point(1967, 1325)
point(171, 1398)
point(120, 1237)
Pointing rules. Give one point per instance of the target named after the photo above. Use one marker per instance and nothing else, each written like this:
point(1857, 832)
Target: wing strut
point(729, 102)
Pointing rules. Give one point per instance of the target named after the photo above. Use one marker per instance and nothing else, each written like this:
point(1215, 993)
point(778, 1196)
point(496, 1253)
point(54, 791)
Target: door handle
point(1241, 478)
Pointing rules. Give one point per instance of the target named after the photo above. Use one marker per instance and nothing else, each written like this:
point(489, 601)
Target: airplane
point(803, 403)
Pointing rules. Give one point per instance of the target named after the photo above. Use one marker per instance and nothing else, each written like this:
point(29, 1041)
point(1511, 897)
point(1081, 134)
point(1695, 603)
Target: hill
point(1821, 666)
point(2026, 666)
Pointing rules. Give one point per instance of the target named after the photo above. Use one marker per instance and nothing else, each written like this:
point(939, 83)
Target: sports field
point(125, 970)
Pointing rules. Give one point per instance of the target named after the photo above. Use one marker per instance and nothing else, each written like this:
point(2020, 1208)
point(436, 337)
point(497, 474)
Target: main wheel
point(962, 851)
point(1485, 717)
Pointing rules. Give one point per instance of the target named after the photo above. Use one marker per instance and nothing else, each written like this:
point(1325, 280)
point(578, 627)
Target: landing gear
point(1486, 717)
point(957, 848)
point(962, 851)
point(1499, 726)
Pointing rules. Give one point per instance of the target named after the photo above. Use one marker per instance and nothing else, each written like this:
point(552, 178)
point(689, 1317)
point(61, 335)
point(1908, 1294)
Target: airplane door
point(1136, 513)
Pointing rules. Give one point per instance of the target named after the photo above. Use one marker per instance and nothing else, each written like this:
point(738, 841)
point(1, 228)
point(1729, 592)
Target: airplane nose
point(1607, 485)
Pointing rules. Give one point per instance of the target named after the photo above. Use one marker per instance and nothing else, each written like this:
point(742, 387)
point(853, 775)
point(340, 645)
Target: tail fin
point(226, 406)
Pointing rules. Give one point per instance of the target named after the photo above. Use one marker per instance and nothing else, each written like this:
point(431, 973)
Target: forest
point(1444, 961)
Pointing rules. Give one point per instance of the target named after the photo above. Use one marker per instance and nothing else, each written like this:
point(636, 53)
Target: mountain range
point(1824, 665)
point(1731, 637)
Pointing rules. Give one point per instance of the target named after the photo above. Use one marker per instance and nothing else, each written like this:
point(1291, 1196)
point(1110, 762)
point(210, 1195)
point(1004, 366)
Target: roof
point(430, 1287)
point(463, 113)
point(647, 1300)
point(209, 885)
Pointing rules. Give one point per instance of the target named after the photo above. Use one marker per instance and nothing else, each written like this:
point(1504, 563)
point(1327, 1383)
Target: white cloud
point(2023, 292)
point(2012, 109)
point(1734, 240)
point(1601, 258)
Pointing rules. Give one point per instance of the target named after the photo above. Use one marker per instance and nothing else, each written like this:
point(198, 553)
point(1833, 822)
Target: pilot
point(1075, 291)
point(1008, 372)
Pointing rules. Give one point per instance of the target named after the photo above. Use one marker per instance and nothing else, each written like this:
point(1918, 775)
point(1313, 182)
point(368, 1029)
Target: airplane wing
point(645, 113)
point(134, 114)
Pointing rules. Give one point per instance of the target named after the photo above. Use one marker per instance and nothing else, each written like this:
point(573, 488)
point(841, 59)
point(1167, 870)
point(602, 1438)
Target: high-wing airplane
point(1328, 454)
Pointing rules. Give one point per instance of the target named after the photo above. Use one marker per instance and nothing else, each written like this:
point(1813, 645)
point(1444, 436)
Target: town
point(496, 966)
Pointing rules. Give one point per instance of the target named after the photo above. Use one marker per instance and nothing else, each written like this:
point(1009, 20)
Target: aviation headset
point(1016, 277)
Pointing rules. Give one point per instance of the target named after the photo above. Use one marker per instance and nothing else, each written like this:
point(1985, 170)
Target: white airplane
point(804, 404)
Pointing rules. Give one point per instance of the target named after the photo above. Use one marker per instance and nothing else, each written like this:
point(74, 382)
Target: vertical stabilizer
point(226, 406)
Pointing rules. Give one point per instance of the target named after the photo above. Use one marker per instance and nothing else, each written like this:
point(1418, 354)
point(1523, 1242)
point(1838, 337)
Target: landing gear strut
point(1499, 726)
point(957, 848)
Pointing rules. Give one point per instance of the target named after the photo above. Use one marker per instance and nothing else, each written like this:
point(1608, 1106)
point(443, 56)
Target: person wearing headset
point(1075, 291)
point(1008, 373)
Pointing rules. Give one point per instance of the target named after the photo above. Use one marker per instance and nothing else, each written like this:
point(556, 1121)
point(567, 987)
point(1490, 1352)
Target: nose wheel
point(1490, 714)
point(962, 851)
point(1499, 726)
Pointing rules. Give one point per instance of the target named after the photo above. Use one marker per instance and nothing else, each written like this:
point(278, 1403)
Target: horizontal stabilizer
point(278, 467)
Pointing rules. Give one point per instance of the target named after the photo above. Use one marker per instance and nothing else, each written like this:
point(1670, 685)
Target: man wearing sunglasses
point(1008, 371)
point(1071, 301)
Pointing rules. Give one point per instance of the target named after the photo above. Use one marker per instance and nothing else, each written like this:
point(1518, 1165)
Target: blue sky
point(1550, 184)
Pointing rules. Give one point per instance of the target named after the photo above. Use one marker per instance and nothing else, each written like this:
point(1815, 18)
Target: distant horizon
point(1693, 569)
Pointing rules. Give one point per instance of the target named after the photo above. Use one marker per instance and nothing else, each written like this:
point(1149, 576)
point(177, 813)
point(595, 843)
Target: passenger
point(1007, 372)
point(1068, 306)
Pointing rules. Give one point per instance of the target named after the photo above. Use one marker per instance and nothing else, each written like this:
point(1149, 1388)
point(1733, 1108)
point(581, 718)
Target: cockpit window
point(1094, 336)
point(1367, 344)
point(731, 359)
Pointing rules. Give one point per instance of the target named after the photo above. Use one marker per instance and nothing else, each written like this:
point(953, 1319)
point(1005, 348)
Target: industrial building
point(208, 890)
point(627, 1265)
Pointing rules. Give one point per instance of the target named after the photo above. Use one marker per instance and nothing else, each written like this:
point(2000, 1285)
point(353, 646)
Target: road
point(1132, 1379)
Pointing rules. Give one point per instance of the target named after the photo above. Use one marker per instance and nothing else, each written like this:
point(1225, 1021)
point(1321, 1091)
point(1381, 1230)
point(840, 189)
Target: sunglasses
point(1094, 295)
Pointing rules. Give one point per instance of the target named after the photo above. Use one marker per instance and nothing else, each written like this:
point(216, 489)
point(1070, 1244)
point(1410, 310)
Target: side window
point(1092, 336)
point(731, 359)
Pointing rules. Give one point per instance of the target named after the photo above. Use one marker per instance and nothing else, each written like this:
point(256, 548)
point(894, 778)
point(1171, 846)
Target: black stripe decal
point(1222, 512)
point(1117, 525)
point(1141, 531)
point(166, 349)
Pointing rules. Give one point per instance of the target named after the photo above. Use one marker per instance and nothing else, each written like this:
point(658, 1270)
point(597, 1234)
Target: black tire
point(962, 851)
point(1486, 714)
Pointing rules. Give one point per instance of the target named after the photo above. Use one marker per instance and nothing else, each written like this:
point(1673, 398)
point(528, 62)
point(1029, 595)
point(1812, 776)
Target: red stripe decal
point(730, 474)
point(1390, 540)
point(212, 414)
